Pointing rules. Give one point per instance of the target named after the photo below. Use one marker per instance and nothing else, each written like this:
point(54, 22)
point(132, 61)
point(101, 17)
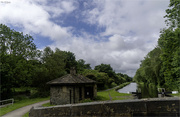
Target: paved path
point(21, 111)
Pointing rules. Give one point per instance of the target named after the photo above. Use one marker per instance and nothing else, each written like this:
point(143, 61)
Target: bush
point(86, 100)
point(113, 85)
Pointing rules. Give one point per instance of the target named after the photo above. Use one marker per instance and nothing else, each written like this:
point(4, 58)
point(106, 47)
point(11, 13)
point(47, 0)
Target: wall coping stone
point(115, 101)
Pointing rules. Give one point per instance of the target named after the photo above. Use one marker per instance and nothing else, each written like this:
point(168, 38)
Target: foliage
point(70, 61)
point(117, 78)
point(150, 68)
point(169, 43)
point(173, 14)
point(102, 79)
point(162, 65)
point(81, 65)
point(17, 52)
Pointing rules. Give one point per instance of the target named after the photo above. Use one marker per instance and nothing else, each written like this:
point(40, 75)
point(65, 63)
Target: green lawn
point(112, 95)
point(20, 104)
point(178, 94)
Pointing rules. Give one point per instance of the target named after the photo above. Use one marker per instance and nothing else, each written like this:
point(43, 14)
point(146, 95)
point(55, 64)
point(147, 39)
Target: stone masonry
point(168, 107)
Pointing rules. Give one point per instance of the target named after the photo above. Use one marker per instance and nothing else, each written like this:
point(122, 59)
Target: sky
point(115, 32)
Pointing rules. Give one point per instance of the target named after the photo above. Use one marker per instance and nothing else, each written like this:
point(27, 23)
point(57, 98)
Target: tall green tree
point(54, 62)
point(173, 14)
point(164, 68)
point(16, 51)
point(149, 70)
point(169, 42)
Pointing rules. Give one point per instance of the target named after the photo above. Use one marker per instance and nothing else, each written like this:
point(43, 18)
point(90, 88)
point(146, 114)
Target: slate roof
point(71, 79)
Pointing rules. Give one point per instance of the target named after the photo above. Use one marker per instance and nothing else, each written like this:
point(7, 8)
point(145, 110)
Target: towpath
point(21, 111)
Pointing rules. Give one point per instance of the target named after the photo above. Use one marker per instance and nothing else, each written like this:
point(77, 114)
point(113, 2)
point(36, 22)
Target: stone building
point(71, 88)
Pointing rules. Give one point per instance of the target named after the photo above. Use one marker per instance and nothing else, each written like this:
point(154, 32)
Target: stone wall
point(69, 94)
point(61, 95)
point(129, 108)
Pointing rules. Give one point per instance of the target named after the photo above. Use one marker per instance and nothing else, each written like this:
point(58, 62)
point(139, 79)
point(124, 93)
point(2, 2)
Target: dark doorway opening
point(88, 92)
point(70, 96)
point(80, 93)
point(74, 95)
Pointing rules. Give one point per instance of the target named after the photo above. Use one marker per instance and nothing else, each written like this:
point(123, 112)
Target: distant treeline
point(23, 65)
point(161, 66)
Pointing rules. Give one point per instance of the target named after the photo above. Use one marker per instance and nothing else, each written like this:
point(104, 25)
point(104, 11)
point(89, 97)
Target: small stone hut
point(71, 88)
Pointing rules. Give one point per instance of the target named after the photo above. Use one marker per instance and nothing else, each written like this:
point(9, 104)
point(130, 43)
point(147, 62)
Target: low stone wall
point(130, 108)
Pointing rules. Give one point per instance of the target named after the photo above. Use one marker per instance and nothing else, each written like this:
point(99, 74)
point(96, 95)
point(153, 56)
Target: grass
point(178, 94)
point(111, 95)
point(26, 115)
point(47, 104)
point(20, 104)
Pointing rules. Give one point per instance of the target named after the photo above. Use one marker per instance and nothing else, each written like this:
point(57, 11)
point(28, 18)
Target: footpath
point(21, 111)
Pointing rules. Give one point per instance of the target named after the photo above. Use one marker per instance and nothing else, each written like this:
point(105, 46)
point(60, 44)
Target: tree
point(81, 65)
point(103, 68)
point(54, 62)
point(16, 51)
point(70, 61)
point(102, 79)
point(162, 65)
point(111, 73)
point(150, 67)
point(16, 44)
point(169, 43)
point(173, 14)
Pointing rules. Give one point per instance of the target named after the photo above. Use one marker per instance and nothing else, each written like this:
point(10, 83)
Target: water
point(147, 91)
point(129, 88)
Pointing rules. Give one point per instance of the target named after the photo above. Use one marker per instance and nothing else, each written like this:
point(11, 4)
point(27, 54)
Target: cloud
point(131, 27)
point(123, 16)
point(34, 17)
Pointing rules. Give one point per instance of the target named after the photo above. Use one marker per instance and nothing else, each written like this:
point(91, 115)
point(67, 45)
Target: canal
point(129, 88)
point(147, 91)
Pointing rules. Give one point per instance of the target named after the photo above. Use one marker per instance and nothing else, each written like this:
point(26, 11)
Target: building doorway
point(88, 92)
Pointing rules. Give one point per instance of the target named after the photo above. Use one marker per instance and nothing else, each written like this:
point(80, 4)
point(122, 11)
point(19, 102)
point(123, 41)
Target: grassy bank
point(20, 104)
point(177, 95)
point(113, 94)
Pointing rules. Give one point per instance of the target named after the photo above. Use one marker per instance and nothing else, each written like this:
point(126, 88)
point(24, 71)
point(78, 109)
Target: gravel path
point(21, 111)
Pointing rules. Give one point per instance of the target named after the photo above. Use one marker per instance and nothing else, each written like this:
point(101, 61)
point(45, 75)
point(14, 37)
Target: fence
point(6, 102)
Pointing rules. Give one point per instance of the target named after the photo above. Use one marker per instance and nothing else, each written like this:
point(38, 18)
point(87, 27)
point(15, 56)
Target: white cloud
point(131, 28)
point(34, 18)
point(122, 16)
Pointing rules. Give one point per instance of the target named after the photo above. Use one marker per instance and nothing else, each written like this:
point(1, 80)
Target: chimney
point(73, 71)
